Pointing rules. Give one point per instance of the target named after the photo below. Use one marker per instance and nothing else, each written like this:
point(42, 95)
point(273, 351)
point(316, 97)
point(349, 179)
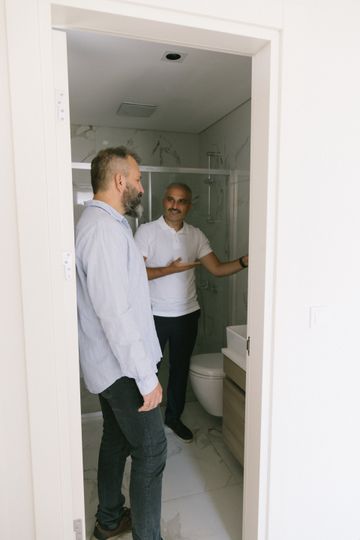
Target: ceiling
point(190, 94)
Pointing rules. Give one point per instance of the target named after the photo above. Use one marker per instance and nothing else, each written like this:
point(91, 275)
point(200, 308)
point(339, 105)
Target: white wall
point(314, 478)
point(16, 509)
point(315, 440)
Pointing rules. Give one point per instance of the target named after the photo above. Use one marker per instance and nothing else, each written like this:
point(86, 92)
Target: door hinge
point(60, 100)
point(248, 345)
point(78, 529)
point(67, 263)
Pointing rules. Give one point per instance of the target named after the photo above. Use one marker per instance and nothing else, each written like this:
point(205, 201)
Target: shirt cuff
point(147, 384)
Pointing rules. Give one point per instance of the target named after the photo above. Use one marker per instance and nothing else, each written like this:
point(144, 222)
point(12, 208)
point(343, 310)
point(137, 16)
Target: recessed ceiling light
point(173, 56)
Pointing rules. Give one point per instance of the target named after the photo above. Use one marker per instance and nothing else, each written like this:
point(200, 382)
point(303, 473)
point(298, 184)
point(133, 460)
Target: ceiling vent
point(175, 57)
point(139, 110)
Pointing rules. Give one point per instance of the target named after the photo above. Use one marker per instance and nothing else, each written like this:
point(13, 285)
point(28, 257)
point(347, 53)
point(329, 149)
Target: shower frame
point(234, 177)
point(149, 169)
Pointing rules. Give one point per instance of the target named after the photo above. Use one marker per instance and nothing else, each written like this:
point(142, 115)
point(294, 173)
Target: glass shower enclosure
point(220, 210)
point(209, 213)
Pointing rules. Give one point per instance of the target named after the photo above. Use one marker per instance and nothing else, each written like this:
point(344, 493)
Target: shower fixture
point(210, 181)
point(210, 155)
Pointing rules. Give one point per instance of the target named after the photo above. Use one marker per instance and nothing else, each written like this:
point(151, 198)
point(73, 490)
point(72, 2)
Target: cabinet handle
point(248, 345)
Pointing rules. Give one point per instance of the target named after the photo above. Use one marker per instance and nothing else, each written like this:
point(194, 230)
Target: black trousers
point(128, 432)
point(181, 334)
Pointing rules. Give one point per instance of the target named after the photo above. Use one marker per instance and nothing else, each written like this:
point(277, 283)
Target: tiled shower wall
point(230, 138)
point(154, 147)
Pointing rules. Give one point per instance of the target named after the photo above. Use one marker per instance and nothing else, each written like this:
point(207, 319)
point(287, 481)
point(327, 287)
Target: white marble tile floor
point(202, 486)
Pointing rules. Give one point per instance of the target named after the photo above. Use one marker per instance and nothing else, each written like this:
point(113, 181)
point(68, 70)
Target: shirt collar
point(166, 227)
point(108, 209)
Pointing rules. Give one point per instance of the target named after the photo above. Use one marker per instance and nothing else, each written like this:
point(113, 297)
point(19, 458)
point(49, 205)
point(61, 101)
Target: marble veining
point(165, 147)
point(154, 147)
point(202, 487)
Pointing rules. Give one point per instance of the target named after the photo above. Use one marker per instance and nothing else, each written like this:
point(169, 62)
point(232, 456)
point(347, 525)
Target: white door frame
point(43, 187)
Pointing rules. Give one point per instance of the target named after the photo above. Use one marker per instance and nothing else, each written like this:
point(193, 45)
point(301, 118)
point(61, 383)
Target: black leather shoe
point(183, 432)
point(124, 526)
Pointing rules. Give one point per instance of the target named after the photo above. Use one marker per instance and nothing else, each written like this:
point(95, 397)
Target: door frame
point(49, 300)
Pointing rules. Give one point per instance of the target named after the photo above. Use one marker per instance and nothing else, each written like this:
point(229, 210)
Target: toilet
point(206, 376)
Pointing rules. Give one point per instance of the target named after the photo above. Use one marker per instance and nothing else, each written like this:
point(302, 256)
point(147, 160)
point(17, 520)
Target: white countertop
point(237, 358)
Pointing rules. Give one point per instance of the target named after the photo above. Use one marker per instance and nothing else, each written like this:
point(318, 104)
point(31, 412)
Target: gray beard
point(134, 211)
point(133, 205)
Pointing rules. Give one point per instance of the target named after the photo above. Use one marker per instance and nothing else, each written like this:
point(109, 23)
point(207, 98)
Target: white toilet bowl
point(206, 376)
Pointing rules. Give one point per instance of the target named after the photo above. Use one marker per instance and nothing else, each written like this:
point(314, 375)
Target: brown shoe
point(124, 526)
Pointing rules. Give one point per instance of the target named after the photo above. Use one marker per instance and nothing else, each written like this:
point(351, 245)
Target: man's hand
point(172, 268)
point(152, 400)
point(245, 260)
point(179, 266)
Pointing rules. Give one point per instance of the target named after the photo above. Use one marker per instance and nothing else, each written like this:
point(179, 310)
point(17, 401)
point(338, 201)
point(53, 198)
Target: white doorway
point(204, 33)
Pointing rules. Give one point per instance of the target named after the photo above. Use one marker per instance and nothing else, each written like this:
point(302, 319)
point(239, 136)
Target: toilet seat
point(208, 365)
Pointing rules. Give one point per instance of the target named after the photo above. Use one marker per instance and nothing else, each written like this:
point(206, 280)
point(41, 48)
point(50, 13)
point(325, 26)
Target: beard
point(131, 201)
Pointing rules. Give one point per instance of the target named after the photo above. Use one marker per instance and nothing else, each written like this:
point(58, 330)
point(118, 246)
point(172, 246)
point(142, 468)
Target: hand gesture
point(178, 266)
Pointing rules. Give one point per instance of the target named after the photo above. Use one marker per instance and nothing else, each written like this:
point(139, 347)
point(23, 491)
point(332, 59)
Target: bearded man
point(119, 349)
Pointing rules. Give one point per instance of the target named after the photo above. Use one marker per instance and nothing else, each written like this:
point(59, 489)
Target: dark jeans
point(140, 435)
point(181, 334)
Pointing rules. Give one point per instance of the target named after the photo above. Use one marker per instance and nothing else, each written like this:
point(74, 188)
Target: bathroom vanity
point(234, 391)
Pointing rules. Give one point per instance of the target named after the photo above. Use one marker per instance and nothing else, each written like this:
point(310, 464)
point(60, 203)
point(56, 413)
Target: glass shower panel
point(210, 214)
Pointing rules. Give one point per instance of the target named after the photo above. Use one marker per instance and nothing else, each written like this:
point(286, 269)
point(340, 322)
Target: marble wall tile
point(154, 147)
point(230, 138)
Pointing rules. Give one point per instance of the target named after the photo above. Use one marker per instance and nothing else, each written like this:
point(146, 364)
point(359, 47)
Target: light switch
point(318, 316)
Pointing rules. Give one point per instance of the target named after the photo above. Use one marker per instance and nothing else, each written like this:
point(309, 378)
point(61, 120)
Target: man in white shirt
point(172, 249)
point(119, 349)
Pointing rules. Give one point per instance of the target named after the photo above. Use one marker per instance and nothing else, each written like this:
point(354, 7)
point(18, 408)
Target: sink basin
point(236, 345)
point(236, 339)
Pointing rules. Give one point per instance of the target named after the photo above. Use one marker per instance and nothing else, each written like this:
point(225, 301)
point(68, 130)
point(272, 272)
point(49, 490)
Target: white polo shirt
point(173, 295)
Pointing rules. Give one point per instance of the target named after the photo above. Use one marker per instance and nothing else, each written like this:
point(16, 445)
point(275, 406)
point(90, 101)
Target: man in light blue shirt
point(119, 349)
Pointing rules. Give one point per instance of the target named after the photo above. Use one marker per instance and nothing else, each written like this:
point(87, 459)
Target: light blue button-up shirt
point(117, 336)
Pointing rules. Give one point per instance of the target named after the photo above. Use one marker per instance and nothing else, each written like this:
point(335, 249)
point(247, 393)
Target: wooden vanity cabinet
point(234, 408)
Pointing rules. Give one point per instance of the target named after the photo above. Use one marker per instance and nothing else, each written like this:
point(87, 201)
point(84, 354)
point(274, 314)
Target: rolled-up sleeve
point(204, 247)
